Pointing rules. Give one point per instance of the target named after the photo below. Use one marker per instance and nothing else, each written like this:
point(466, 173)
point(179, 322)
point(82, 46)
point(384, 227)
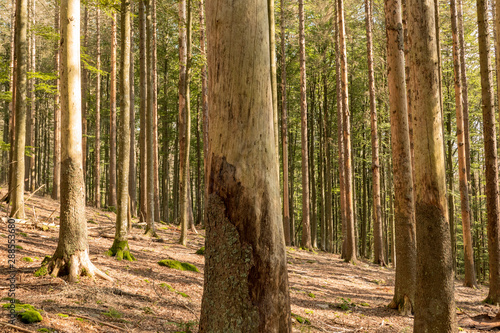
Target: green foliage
point(201, 251)
point(27, 259)
point(346, 304)
point(19, 247)
point(174, 264)
point(113, 313)
point(311, 295)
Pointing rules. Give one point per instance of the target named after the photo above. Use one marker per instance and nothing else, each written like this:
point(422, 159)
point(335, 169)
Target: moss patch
point(19, 247)
point(112, 313)
point(30, 317)
point(174, 264)
point(42, 271)
point(62, 315)
point(167, 286)
point(120, 250)
point(201, 251)
point(301, 320)
point(27, 259)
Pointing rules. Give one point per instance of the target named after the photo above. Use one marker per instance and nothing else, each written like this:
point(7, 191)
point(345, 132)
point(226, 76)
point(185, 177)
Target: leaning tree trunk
point(246, 283)
point(306, 225)
point(71, 255)
point(434, 297)
point(470, 274)
point(21, 53)
point(120, 247)
point(378, 251)
point(404, 218)
point(490, 151)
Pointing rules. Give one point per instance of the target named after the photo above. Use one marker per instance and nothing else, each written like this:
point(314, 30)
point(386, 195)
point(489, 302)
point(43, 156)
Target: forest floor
point(332, 295)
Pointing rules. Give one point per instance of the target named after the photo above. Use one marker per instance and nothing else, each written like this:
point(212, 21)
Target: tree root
point(151, 232)
point(404, 306)
point(78, 264)
point(120, 250)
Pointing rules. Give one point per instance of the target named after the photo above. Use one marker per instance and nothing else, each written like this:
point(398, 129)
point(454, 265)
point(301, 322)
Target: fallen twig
point(20, 329)
point(97, 321)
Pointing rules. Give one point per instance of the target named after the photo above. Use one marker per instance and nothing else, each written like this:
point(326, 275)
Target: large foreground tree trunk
point(246, 282)
point(71, 255)
point(434, 297)
point(490, 151)
point(404, 221)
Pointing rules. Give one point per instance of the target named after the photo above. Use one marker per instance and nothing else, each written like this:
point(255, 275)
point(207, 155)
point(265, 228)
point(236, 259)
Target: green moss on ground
point(31, 316)
point(167, 286)
point(27, 259)
point(113, 313)
point(201, 251)
point(19, 247)
point(120, 250)
point(300, 319)
point(42, 271)
point(62, 315)
point(10, 299)
point(174, 264)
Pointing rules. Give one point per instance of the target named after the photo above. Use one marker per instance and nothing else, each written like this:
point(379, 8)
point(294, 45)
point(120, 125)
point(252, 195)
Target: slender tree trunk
point(350, 243)
point(204, 106)
point(30, 121)
point(378, 253)
point(154, 75)
point(434, 297)
point(404, 288)
point(12, 104)
point(120, 247)
point(150, 200)
point(84, 98)
point(274, 81)
point(21, 55)
point(306, 225)
point(112, 118)
point(470, 276)
point(244, 227)
point(328, 169)
point(71, 256)
point(184, 125)
point(97, 162)
point(143, 111)
point(490, 152)
point(132, 180)
point(284, 130)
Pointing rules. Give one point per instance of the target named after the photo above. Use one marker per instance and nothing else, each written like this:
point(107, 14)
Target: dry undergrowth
point(333, 296)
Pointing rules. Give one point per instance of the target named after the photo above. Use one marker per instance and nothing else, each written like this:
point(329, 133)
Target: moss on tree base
point(120, 250)
point(150, 232)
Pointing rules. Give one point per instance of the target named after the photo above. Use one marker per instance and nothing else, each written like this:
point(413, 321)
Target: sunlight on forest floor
point(327, 295)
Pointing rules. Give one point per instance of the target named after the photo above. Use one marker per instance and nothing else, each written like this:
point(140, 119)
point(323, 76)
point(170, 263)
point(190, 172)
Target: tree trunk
point(246, 283)
point(71, 255)
point(470, 276)
point(184, 126)
point(434, 297)
point(284, 131)
point(154, 80)
point(143, 106)
point(274, 82)
point(150, 200)
point(112, 118)
point(350, 243)
point(490, 151)
point(21, 55)
point(120, 247)
point(306, 225)
point(132, 180)
point(328, 169)
point(378, 253)
point(29, 173)
point(97, 162)
point(404, 222)
point(84, 92)
point(12, 104)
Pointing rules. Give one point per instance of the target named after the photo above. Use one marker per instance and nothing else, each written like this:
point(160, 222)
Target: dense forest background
point(321, 121)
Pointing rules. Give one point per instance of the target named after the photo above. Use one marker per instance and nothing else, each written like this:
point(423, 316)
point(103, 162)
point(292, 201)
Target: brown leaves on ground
point(327, 295)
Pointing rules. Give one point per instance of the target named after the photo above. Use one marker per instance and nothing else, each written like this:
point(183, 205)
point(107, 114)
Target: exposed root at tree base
point(150, 232)
point(76, 265)
point(404, 306)
point(120, 250)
